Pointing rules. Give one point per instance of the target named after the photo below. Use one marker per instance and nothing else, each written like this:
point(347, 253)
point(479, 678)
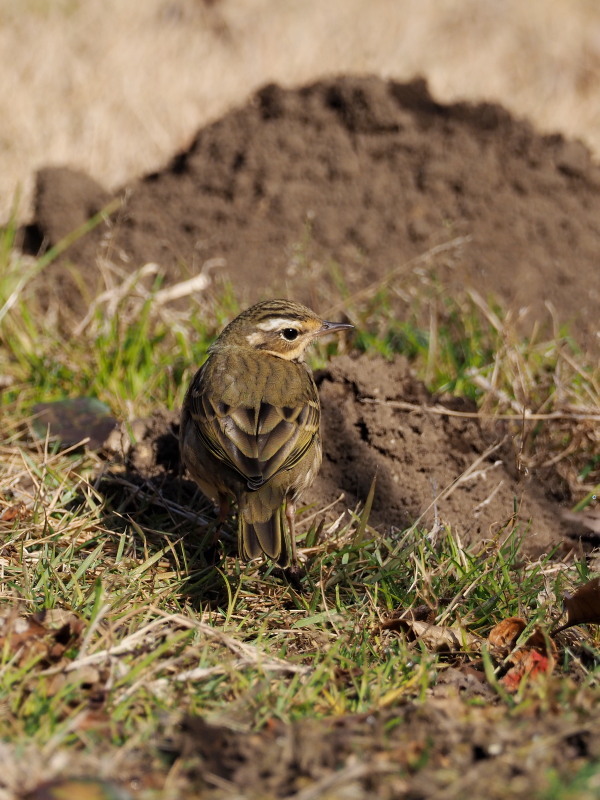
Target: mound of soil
point(365, 173)
point(379, 422)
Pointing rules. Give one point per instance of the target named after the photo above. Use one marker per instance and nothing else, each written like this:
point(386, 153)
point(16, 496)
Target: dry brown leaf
point(15, 512)
point(536, 657)
point(530, 665)
point(18, 630)
point(583, 606)
point(504, 635)
point(442, 639)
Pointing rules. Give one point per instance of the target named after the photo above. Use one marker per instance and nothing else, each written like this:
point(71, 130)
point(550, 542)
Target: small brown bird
point(250, 423)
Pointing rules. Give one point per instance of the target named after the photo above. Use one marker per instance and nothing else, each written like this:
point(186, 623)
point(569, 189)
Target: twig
point(449, 412)
point(156, 496)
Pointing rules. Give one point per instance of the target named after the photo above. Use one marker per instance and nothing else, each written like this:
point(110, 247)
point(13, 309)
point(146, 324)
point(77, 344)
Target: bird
point(250, 424)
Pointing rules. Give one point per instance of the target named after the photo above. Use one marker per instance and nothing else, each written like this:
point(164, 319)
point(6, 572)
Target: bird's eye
point(289, 334)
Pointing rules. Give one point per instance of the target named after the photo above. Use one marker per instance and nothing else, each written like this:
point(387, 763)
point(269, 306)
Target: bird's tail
point(263, 530)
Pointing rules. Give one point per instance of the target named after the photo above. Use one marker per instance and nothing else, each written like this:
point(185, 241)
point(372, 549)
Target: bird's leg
point(224, 504)
point(222, 507)
point(295, 572)
point(212, 550)
point(290, 513)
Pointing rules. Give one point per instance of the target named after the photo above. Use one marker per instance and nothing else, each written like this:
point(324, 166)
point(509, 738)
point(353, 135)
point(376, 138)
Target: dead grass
point(116, 88)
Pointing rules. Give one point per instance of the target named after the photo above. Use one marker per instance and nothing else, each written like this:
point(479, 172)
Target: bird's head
point(281, 328)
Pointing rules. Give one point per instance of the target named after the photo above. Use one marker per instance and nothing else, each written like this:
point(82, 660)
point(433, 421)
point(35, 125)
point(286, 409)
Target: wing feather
point(255, 442)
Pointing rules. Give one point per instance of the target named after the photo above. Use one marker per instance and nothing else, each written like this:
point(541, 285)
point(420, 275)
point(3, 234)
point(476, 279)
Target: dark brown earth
point(429, 467)
point(363, 173)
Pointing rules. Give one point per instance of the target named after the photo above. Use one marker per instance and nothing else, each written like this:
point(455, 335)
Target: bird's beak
point(332, 327)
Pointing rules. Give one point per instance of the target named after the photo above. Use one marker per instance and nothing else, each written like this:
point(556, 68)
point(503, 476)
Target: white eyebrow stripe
point(276, 322)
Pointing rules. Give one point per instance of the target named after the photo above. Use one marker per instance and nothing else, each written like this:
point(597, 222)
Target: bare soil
point(429, 467)
point(363, 173)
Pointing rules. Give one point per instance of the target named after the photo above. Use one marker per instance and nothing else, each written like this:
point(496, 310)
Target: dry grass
point(115, 88)
point(155, 629)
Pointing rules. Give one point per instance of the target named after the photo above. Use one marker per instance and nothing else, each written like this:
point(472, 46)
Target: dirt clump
point(378, 421)
point(366, 174)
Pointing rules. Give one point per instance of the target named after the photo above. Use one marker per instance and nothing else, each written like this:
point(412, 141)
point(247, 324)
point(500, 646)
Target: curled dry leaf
point(503, 636)
point(441, 639)
point(536, 657)
point(583, 606)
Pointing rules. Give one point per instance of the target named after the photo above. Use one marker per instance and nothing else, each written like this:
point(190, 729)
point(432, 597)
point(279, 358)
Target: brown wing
point(256, 442)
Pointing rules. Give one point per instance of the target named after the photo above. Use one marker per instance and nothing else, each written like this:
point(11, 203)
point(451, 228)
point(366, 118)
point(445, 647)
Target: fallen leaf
point(583, 607)
point(536, 657)
point(18, 630)
point(530, 665)
point(540, 640)
point(504, 635)
point(436, 638)
point(16, 511)
point(46, 634)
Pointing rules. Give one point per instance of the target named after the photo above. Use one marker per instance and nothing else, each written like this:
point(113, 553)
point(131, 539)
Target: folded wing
point(258, 442)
